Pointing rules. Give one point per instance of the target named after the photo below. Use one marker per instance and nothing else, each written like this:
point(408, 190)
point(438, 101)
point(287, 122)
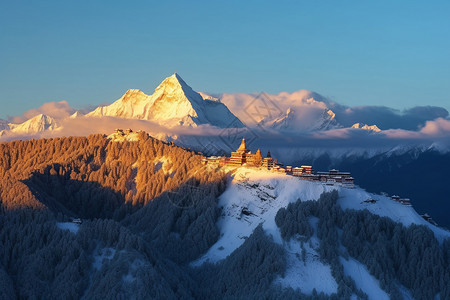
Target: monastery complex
point(243, 157)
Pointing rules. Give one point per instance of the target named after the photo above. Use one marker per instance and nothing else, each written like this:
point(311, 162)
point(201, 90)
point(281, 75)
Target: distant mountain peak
point(36, 124)
point(362, 126)
point(75, 115)
point(292, 121)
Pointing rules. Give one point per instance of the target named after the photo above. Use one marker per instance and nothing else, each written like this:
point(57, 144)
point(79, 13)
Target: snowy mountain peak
point(36, 124)
point(328, 120)
point(175, 85)
point(174, 103)
point(362, 126)
point(331, 114)
point(175, 88)
point(295, 119)
point(132, 93)
point(75, 115)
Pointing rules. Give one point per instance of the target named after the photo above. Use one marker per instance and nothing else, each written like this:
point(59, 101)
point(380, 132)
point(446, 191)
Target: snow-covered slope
point(254, 197)
point(311, 273)
point(36, 124)
point(363, 279)
point(173, 103)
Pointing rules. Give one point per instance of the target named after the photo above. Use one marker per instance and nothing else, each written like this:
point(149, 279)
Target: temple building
point(268, 162)
point(242, 156)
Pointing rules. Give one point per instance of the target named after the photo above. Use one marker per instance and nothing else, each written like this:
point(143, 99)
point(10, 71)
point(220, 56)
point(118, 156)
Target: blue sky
point(393, 53)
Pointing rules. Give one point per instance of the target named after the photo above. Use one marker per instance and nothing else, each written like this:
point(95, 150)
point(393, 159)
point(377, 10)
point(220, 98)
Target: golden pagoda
point(239, 157)
point(243, 147)
point(242, 156)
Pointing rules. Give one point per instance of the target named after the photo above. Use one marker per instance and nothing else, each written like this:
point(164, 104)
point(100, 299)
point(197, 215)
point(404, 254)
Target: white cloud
point(308, 105)
point(56, 110)
point(438, 127)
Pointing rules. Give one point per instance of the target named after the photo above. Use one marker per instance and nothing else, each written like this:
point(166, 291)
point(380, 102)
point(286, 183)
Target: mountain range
point(175, 104)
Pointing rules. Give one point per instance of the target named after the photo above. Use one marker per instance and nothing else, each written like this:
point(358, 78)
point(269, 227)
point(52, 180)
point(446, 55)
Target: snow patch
point(363, 279)
point(72, 227)
point(165, 164)
point(131, 137)
point(406, 293)
point(131, 275)
point(305, 270)
point(103, 255)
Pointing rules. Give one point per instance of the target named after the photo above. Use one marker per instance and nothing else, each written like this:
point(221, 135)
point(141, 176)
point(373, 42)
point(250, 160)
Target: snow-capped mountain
point(76, 114)
point(292, 121)
point(373, 128)
point(174, 103)
point(39, 123)
point(288, 112)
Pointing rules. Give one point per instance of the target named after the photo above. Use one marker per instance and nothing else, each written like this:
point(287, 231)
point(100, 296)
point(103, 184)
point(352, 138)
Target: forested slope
point(93, 176)
point(103, 182)
point(150, 209)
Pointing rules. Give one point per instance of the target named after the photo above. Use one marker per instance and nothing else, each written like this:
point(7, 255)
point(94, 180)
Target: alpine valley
point(140, 199)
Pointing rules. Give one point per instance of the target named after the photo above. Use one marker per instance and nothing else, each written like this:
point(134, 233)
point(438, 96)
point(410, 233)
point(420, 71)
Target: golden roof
point(242, 147)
